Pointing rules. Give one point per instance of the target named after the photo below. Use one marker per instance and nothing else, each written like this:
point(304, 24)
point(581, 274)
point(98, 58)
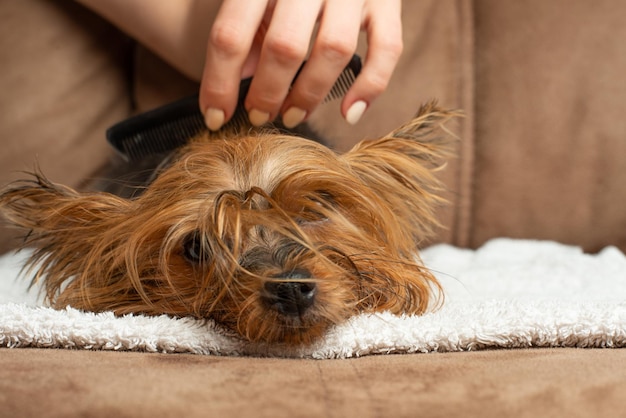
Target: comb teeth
point(345, 80)
point(168, 127)
point(161, 138)
point(341, 86)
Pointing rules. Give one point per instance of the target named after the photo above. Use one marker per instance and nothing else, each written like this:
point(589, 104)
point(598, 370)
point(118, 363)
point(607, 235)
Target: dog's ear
point(45, 208)
point(401, 167)
point(60, 224)
point(424, 138)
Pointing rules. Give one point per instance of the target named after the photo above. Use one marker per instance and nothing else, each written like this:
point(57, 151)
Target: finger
point(333, 47)
point(284, 49)
point(384, 33)
point(229, 45)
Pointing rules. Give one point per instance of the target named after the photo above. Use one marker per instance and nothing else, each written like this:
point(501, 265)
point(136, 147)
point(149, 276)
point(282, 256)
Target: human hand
point(271, 38)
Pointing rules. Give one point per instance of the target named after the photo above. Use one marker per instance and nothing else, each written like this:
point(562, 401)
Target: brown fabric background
point(64, 80)
point(550, 125)
point(517, 383)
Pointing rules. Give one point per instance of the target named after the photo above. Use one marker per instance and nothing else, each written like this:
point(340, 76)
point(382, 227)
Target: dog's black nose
point(290, 296)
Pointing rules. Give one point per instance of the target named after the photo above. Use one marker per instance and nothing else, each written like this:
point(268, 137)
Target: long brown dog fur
point(230, 215)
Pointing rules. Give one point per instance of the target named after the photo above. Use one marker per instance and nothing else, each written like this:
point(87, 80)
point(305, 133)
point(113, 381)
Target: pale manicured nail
point(355, 112)
point(258, 118)
point(293, 117)
point(214, 118)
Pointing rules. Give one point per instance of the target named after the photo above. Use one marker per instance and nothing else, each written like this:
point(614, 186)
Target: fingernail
point(214, 118)
point(258, 118)
point(293, 117)
point(355, 112)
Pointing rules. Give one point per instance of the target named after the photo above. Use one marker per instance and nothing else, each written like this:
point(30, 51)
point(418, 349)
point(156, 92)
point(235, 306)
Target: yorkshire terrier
point(273, 236)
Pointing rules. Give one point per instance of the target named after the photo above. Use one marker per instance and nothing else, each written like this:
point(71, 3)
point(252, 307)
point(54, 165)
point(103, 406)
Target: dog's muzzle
point(289, 296)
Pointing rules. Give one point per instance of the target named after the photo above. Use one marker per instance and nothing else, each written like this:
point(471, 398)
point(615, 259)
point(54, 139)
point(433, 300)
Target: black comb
point(169, 127)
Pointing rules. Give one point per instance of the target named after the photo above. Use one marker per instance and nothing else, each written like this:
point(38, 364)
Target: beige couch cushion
point(500, 383)
point(550, 124)
point(64, 81)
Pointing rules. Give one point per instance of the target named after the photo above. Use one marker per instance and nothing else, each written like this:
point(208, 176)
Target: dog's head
point(274, 236)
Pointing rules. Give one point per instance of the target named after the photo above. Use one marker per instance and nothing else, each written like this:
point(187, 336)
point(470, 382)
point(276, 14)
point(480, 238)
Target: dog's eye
point(196, 248)
point(326, 197)
point(320, 202)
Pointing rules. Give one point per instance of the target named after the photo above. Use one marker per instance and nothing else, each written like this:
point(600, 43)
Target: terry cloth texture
point(507, 294)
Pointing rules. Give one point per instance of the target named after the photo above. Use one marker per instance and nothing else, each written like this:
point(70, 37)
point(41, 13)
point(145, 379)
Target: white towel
point(506, 294)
